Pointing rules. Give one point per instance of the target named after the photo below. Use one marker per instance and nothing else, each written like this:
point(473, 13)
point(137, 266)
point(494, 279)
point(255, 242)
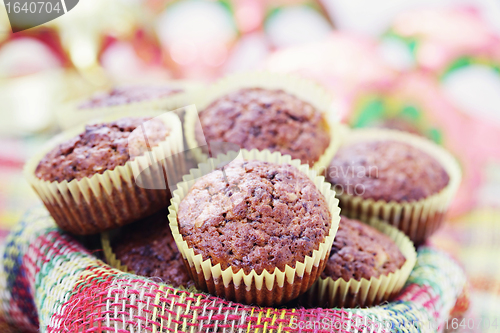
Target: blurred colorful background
point(428, 67)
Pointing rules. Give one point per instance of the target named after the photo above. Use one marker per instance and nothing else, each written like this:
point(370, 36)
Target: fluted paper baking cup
point(306, 90)
point(116, 197)
point(109, 255)
point(267, 288)
point(327, 292)
point(69, 114)
point(417, 219)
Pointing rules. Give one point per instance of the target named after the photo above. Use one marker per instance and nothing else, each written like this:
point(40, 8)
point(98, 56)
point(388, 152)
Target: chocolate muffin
point(255, 215)
point(386, 170)
point(127, 95)
point(361, 251)
point(147, 248)
point(101, 179)
point(266, 119)
point(99, 148)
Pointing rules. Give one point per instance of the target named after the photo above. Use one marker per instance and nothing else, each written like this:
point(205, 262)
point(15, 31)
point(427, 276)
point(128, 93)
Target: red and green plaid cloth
point(49, 282)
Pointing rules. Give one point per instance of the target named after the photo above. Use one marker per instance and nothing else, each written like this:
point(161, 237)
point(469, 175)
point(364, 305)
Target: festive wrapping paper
point(50, 281)
point(340, 63)
point(47, 87)
point(449, 38)
point(16, 195)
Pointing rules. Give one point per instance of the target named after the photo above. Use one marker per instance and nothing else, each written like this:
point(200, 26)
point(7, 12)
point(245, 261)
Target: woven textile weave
point(48, 281)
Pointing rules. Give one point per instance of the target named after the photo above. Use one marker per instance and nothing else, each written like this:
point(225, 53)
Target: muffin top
point(361, 251)
point(266, 119)
point(127, 95)
point(99, 148)
point(148, 248)
point(386, 170)
point(264, 216)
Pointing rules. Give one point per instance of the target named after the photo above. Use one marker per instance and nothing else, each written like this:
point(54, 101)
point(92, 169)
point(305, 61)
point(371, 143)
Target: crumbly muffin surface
point(147, 248)
point(386, 170)
point(101, 147)
point(361, 251)
point(266, 119)
point(127, 95)
point(264, 216)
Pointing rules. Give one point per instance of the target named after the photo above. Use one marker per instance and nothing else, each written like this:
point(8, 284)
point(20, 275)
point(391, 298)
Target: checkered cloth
point(50, 282)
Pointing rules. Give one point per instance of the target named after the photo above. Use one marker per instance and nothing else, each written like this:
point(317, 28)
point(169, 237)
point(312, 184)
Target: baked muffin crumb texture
point(361, 251)
point(265, 216)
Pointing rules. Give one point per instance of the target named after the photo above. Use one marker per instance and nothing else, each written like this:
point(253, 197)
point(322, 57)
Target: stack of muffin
point(260, 224)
